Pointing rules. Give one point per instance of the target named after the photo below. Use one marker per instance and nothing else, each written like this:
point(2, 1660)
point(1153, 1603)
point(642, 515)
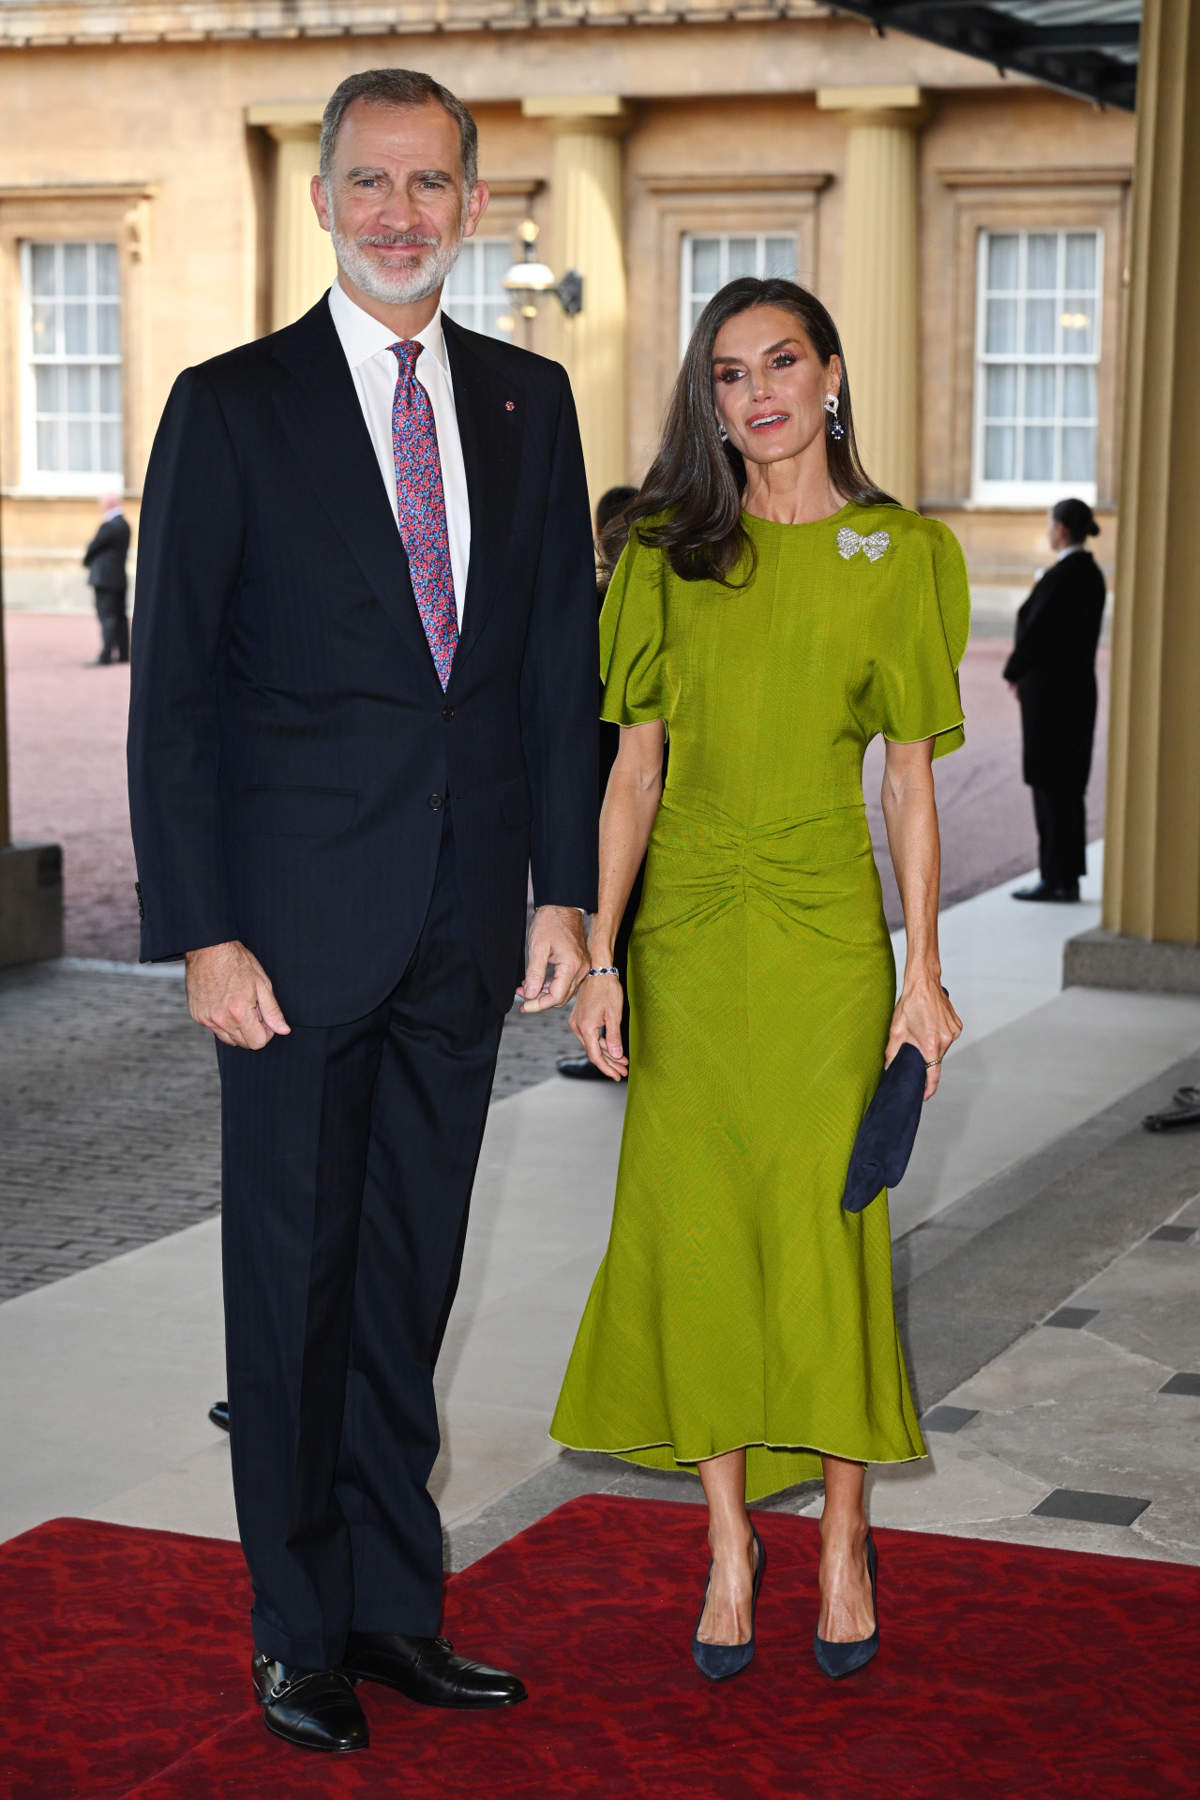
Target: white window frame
point(1031, 493)
point(59, 481)
point(687, 291)
point(478, 297)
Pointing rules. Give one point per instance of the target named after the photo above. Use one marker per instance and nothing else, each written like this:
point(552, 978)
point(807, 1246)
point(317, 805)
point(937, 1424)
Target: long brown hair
point(697, 479)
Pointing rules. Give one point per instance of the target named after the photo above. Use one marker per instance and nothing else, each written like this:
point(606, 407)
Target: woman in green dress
point(773, 611)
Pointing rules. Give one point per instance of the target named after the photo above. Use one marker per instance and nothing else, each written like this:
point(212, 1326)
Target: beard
point(393, 286)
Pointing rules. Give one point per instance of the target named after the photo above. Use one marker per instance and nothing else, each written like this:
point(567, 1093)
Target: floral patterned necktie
point(421, 509)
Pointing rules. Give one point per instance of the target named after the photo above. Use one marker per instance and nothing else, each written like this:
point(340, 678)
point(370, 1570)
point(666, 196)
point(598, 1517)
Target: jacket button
point(435, 803)
point(447, 713)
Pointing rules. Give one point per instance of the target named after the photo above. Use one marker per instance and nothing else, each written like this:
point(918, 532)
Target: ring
point(936, 1063)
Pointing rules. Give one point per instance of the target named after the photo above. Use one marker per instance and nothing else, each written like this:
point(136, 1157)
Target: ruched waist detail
point(814, 869)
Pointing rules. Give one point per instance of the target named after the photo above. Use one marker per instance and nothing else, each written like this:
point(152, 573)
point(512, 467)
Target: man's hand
point(556, 938)
point(228, 991)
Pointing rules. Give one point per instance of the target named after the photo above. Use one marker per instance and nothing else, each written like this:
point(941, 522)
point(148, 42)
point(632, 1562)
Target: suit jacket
point(1054, 666)
point(104, 558)
point(290, 746)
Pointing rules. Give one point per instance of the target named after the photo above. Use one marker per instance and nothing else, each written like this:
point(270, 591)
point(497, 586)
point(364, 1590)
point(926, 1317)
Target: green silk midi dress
point(738, 1304)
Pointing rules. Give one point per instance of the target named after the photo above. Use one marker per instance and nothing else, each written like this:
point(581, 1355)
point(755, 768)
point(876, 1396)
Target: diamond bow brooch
point(849, 543)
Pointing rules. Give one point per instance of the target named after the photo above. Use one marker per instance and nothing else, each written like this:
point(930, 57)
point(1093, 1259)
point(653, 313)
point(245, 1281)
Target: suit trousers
point(1062, 835)
point(348, 1155)
point(114, 624)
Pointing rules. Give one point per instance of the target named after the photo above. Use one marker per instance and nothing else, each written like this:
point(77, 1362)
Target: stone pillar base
point(31, 903)
point(1107, 959)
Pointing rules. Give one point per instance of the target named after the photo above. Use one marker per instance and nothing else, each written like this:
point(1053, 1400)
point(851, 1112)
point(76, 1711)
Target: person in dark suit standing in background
point(1052, 671)
point(364, 688)
point(610, 541)
point(104, 560)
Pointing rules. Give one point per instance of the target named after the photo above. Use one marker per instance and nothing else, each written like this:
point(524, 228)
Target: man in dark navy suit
point(104, 560)
point(364, 693)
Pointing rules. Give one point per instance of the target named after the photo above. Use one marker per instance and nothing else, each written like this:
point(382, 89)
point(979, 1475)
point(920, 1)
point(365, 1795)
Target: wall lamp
point(529, 280)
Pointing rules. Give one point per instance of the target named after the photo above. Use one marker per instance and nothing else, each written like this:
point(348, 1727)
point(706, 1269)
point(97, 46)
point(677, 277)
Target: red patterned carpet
point(1005, 1674)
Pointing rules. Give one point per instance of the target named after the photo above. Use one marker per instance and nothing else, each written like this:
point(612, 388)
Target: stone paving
point(1052, 1333)
point(109, 1114)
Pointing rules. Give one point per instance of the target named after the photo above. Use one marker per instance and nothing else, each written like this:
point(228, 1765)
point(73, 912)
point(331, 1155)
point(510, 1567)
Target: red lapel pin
point(509, 406)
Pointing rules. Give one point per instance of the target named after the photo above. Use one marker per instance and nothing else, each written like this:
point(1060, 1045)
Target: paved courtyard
point(67, 734)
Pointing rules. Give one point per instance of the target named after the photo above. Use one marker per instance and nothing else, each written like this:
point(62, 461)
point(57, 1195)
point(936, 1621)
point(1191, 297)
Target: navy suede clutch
point(888, 1130)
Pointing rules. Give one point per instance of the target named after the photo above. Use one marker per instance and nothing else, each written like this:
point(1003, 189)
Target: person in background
point(611, 533)
point(1052, 671)
point(104, 560)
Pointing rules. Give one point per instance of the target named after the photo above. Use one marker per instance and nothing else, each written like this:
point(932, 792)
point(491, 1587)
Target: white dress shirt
point(367, 345)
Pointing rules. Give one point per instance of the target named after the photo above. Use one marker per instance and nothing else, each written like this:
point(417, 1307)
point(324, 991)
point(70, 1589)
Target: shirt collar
point(1069, 550)
point(363, 336)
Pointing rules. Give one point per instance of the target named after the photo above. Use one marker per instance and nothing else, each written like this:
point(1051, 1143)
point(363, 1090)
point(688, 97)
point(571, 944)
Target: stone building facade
point(968, 231)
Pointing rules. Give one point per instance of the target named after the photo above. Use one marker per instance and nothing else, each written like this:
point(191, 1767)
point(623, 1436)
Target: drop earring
point(722, 433)
point(836, 428)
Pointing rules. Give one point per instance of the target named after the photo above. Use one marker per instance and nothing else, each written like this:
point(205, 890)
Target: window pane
point(780, 257)
point(42, 268)
point(1079, 453)
point(110, 388)
point(1039, 327)
point(75, 269)
point(75, 328)
point(108, 269)
point(743, 257)
point(79, 446)
point(1041, 383)
point(1041, 261)
point(1079, 391)
point(999, 453)
point(1001, 331)
point(1079, 324)
point(79, 388)
point(49, 446)
point(45, 330)
point(459, 280)
point(706, 265)
point(1000, 399)
point(108, 329)
point(111, 458)
point(697, 309)
point(49, 389)
point(1039, 453)
point(1002, 261)
point(1081, 259)
point(496, 261)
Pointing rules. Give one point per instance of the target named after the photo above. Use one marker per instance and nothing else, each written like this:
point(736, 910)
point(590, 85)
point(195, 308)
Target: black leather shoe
point(1043, 891)
point(427, 1670)
point(218, 1412)
point(580, 1068)
point(314, 1708)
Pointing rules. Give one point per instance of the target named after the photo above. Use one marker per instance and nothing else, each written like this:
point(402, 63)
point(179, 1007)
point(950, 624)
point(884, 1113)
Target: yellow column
point(587, 233)
point(1152, 853)
point(877, 313)
point(303, 263)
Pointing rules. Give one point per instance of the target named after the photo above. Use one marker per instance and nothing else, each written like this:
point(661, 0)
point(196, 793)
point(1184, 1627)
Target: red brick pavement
point(67, 729)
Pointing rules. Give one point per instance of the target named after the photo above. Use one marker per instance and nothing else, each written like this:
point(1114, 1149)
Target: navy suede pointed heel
point(837, 1660)
point(720, 1661)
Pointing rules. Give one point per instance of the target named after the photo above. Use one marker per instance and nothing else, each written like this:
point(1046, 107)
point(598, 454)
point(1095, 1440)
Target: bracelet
point(592, 972)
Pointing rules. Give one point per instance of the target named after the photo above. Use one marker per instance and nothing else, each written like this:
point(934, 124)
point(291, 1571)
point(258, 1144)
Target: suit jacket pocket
point(294, 811)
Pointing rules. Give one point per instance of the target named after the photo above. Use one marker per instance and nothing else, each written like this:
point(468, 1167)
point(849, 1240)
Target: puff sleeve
point(632, 624)
point(920, 676)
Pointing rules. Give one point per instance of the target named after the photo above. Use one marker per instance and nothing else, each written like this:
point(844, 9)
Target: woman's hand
point(596, 1022)
point(924, 1017)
